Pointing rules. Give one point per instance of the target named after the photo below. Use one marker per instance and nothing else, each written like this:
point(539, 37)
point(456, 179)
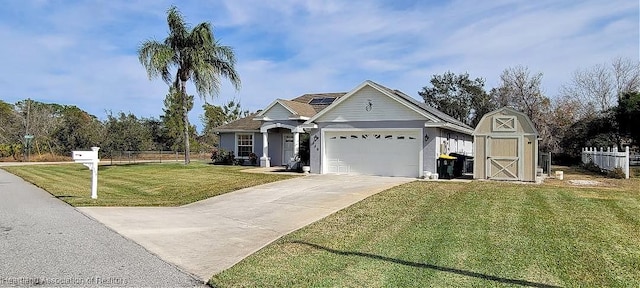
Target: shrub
point(616, 173)
point(592, 167)
point(223, 157)
point(253, 158)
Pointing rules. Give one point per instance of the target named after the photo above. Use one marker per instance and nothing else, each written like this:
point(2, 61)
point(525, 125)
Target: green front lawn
point(434, 234)
point(150, 184)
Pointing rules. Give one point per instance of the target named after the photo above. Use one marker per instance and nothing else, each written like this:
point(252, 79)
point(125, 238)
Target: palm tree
point(196, 56)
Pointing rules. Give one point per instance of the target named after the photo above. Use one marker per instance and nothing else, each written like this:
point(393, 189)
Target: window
point(245, 145)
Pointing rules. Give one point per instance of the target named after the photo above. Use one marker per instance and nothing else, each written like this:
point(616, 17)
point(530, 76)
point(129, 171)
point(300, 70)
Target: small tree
point(458, 96)
point(627, 115)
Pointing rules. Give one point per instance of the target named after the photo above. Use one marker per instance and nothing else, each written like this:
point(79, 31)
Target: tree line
point(58, 129)
point(597, 107)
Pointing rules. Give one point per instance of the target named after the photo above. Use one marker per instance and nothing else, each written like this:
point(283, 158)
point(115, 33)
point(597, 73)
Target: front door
point(287, 148)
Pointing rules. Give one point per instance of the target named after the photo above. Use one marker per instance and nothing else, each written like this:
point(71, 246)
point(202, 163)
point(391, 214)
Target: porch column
point(296, 143)
point(264, 160)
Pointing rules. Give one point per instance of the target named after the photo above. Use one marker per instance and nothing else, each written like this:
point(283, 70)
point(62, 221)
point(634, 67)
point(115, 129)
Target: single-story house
point(370, 130)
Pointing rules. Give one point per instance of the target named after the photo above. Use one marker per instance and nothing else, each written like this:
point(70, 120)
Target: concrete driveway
point(209, 236)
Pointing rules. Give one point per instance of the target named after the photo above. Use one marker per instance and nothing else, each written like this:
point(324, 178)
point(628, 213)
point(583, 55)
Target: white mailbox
point(85, 156)
point(89, 159)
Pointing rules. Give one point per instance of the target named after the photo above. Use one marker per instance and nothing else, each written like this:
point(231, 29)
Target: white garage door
point(385, 153)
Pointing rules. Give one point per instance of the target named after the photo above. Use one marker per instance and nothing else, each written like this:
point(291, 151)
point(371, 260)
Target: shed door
point(384, 153)
point(503, 158)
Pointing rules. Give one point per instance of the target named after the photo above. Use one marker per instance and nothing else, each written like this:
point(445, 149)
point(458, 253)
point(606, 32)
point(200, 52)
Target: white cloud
point(84, 53)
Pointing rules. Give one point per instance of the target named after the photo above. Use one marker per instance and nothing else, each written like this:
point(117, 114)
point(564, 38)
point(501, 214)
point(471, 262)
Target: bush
point(592, 167)
point(616, 173)
point(253, 159)
point(223, 157)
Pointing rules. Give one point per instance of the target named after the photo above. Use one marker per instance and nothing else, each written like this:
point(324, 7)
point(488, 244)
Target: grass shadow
point(428, 266)
point(62, 197)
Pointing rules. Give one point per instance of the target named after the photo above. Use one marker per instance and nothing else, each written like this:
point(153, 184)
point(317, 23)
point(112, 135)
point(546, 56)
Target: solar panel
point(322, 101)
point(328, 100)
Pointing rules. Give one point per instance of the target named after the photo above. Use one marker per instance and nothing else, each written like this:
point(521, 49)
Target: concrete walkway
point(45, 242)
point(209, 236)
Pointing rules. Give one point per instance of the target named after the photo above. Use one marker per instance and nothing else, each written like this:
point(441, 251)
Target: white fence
point(634, 160)
point(607, 159)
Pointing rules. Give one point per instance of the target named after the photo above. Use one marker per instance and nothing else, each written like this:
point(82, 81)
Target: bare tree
point(521, 89)
point(598, 88)
point(626, 73)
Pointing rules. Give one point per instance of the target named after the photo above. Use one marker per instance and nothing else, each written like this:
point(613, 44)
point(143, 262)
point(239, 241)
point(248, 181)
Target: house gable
point(367, 103)
point(276, 111)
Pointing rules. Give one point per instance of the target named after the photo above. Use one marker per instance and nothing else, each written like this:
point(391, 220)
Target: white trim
point(323, 143)
point(299, 118)
point(309, 126)
point(446, 125)
point(379, 89)
point(369, 129)
point(237, 131)
point(253, 144)
point(266, 127)
point(499, 135)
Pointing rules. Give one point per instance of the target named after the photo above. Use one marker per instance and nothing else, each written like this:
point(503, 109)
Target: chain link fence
point(153, 156)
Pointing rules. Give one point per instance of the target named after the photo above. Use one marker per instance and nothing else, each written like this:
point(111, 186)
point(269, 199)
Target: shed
point(506, 146)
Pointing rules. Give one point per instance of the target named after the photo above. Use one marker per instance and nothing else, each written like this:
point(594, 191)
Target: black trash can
point(445, 167)
point(460, 164)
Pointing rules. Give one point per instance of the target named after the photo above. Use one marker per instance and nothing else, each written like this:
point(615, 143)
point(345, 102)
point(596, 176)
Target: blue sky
point(83, 53)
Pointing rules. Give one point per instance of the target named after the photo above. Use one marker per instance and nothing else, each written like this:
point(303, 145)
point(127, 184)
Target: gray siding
point(430, 150)
point(277, 112)
point(369, 104)
point(257, 144)
point(373, 124)
point(314, 146)
point(228, 141)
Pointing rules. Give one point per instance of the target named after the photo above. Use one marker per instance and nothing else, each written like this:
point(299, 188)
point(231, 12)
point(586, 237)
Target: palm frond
point(202, 35)
point(178, 28)
point(195, 54)
point(157, 59)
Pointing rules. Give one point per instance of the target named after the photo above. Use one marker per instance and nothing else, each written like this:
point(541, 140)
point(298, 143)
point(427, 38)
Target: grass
point(437, 234)
point(142, 184)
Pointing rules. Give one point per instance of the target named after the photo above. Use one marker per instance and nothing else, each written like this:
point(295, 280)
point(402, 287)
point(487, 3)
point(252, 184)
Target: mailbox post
point(89, 159)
